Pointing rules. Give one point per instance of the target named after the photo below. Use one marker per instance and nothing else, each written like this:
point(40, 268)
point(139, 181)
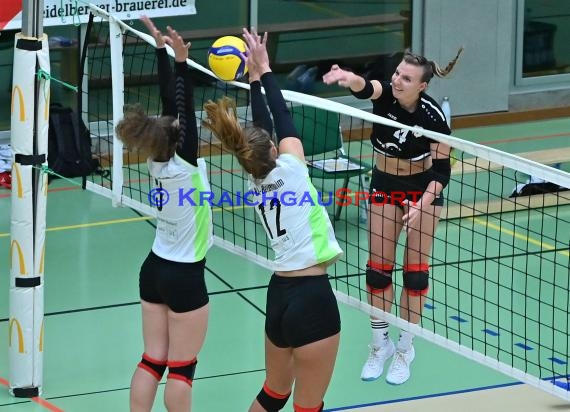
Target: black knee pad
point(378, 279)
point(153, 366)
point(416, 283)
point(182, 370)
point(271, 401)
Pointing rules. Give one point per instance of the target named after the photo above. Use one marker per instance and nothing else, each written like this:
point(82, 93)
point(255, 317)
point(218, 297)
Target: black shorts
point(386, 188)
point(300, 310)
point(178, 285)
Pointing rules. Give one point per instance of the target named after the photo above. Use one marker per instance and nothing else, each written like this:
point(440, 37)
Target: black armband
point(441, 170)
point(365, 93)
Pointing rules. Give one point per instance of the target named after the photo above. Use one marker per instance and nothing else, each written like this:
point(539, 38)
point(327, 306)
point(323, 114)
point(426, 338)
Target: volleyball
point(225, 58)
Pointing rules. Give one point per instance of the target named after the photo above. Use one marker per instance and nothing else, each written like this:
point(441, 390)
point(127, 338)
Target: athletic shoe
point(399, 371)
point(374, 365)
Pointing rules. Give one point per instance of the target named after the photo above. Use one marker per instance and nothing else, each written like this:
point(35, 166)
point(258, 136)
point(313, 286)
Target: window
point(546, 50)
point(307, 37)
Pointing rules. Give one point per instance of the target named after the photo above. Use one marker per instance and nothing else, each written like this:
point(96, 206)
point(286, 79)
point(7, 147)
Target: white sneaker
point(374, 365)
point(399, 371)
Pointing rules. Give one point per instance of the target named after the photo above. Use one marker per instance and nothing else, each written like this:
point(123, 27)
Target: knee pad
point(378, 276)
point(298, 408)
point(182, 370)
point(271, 401)
point(416, 279)
point(153, 366)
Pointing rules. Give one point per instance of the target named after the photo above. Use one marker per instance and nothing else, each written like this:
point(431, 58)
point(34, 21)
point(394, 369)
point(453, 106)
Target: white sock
point(405, 341)
point(379, 333)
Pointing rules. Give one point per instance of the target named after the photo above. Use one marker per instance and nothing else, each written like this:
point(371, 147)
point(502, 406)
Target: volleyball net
point(499, 281)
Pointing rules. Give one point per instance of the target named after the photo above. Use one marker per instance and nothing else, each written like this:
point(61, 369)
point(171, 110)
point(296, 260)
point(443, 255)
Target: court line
point(36, 399)
point(92, 224)
point(522, 139)
point(134, 303)
point(415, 398)
point(241, 295)
point(55, 189)
point(528, 239)
point(160, 384)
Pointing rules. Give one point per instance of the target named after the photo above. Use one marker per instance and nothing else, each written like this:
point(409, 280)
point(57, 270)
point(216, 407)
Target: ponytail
point(439, 72)
point(251, 146)
point(430, 67)
point(223, 123)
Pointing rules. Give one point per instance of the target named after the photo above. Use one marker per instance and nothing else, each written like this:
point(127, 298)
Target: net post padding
point(29, 126)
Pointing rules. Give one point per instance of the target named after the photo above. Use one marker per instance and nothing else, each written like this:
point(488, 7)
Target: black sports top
point(402, 143)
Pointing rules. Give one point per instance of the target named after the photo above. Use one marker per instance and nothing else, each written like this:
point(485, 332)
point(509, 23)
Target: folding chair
point(323, 146)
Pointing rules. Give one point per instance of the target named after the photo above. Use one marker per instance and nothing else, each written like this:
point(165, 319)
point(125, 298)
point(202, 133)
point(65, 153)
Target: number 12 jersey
point(297, 225)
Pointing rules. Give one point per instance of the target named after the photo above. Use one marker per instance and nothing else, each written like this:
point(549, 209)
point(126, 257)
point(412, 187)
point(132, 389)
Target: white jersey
point(184, 230)
point(298, 227)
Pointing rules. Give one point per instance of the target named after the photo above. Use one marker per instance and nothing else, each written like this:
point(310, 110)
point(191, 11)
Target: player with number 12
point(302, 323)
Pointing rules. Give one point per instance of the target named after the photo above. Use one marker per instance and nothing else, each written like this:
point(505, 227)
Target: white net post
point(118, 86)
point(29, 125)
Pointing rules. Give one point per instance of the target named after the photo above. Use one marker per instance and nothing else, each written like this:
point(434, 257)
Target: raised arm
point(360, 87)
point(188, 130)
point(165, 77)
point(287, 135)
point(166, 83)
point(259, 110)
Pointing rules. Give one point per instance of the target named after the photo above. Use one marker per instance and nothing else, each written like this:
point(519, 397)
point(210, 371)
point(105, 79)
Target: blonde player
point(406, 164)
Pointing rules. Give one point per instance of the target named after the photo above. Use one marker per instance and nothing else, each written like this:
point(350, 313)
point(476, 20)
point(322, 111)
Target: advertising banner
point(59, 13)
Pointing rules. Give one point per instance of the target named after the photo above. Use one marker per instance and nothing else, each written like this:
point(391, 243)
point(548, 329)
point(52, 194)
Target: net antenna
point(29, 135)
point(500, 271)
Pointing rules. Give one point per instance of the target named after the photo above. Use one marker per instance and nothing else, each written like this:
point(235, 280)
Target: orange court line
point(46, 404)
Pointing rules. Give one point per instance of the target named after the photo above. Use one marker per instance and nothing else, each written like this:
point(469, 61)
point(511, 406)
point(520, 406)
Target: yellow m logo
point(13, 322)
point(18, 92)
point(16, 246)
point(18, 173)
point(42, 337)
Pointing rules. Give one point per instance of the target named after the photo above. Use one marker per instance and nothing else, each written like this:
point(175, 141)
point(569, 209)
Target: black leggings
point(178, 285)
point(300, 310)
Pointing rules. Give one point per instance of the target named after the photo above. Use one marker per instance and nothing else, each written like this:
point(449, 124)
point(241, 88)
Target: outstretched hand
point(337, 75)
point(256, 53)
point(177, 43)
point(154, 32)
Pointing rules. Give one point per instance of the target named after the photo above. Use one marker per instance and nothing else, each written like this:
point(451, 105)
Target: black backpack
point(69, 143)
